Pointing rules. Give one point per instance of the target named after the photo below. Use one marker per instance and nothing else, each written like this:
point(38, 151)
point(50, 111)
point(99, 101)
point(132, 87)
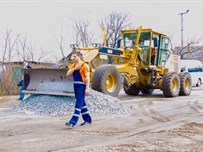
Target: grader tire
point(131, 90)
point(107, 80)
point(185, 84)
point(171, 84)
point(147, 91)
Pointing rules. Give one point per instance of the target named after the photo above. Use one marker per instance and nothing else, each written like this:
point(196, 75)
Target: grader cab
point(140, 64)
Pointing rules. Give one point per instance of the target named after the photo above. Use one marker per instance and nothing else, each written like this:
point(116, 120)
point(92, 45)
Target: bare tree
point(114, 23)
point(12, 45)
point(21, 47)
point(42, 54)
point(172, 51)
point(56, 59)
point(82, 36)
point(192, 50)
point(61, 41)
point(9, 44)
point(27, 50)
point(31, 50)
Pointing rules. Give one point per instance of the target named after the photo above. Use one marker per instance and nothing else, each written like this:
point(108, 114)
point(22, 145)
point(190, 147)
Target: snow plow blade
point(48, 81)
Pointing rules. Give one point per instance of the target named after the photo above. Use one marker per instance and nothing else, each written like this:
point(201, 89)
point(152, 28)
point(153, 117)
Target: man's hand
point(70, 71)
point(77, 67)
point(87, 92)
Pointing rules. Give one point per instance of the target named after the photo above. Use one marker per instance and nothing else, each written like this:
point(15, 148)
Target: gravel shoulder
point(154, 123)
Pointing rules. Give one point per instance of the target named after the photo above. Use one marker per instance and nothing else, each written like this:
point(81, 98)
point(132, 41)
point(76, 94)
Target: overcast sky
point(40, 20)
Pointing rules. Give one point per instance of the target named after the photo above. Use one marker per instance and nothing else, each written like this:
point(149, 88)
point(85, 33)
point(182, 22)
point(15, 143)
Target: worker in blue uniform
point(21, 82)
point(81, 82)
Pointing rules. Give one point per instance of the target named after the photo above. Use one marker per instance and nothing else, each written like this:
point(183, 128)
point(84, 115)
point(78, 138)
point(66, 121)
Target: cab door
point(162, 50)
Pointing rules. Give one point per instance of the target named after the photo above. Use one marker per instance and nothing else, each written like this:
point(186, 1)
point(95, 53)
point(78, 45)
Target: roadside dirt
point(154, 124)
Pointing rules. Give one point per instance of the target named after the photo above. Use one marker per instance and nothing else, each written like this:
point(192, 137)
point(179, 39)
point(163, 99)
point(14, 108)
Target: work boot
point(69, 125)
point(85, 123)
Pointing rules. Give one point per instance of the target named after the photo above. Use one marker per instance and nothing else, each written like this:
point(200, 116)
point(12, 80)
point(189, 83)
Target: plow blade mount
point(48, 81)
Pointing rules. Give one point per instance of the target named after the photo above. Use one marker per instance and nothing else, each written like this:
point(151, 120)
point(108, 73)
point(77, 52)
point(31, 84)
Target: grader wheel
point(107, 80)
point(131, 90)
point(185, 84)
point(171, 84)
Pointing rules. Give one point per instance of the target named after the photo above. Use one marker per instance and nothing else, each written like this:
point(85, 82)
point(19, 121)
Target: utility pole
point(181, 14)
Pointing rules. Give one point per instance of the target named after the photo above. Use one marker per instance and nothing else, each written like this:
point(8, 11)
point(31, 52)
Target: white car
point(195, 68)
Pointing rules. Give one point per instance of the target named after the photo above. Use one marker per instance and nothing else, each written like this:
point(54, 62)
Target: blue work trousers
point(21, 93)
point(80, 105)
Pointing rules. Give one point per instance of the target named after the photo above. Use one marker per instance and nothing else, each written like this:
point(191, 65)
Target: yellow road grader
point(141, 63)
